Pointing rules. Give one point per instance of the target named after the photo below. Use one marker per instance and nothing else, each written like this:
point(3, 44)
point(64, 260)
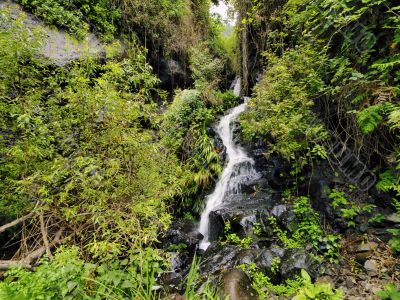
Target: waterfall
point(239, 169)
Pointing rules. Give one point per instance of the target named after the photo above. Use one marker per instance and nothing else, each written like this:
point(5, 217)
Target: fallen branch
point(15, 222)
point(27, 262)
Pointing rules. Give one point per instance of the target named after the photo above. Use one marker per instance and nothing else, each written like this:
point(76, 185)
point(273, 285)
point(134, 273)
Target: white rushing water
point(239, 169)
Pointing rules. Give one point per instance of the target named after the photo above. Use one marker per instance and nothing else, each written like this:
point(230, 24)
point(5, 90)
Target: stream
point(238, 171)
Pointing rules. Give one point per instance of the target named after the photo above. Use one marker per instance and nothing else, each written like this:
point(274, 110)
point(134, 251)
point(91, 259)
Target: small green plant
point(321, 291)
point(282, 235)
point(307, 230)
point(275, 264)
point(208, 290)
point(233, 238)
point(177, 248)
point(394, 242)
point(376, 219)
point(338, 198)
point(348, 210)
point(264, 285)
point(257, 229)
point(319, 152)
point(391, 292)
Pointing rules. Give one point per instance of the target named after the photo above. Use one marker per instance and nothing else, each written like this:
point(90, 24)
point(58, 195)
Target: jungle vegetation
point(96, 159)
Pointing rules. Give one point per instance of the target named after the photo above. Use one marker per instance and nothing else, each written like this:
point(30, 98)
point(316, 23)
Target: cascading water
point(238, 171)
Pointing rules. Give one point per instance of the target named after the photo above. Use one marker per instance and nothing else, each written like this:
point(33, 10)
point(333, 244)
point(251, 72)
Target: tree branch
point(43, 230)
point(27, 262)
point(15, 222)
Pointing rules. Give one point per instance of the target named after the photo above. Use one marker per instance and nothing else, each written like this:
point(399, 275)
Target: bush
point(282, 105)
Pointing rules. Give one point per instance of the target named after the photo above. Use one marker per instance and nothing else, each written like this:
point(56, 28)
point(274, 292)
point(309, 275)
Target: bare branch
point(15, 222)
point(43, 230)
point(28, 261)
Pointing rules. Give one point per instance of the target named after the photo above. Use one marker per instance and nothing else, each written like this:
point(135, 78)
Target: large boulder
point(294, 260)
point(236, 285)
point(242, 211)
point(219, 257)
point(58, 46)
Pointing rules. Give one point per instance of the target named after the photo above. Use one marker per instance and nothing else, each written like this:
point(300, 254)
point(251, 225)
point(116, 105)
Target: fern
point(394, 118)
point(387, 64)
point(370, 118)
point(387, 180)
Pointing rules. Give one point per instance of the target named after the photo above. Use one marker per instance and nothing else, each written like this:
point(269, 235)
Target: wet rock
point(266, 257)
point(182, 232)
point(287, 220)
point(246, 256)
point(242, 211)
point(179, 261)
point(176, 297)
point(217, 258)
point(172, 281)
point(393, 218)
point(236, 285)
point(171, 73)
point(294, 260)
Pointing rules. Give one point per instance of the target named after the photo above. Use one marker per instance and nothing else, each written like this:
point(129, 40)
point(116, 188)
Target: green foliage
point(74, 146)
point(369, 118)
point(299, 288)
point(206, 70)
point(307, 231)
point(264, 285)
point(208, 291)
point(391, 292)
point(388, 181)
point(321, 291)
point(233, 238)
point(348, 210)
point(282, 105)
point(184, 130)
point(394, 242)
point(338, 198)
point(69, 277)
point(77, 16)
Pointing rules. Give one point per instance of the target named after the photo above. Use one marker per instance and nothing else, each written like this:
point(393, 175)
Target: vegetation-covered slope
point(88, 158)
point(97, 160)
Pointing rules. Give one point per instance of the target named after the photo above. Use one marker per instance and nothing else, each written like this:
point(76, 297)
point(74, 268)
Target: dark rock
point(172, 74)
point(217, 258)
point(294, 260)
point(242, 212)
point(179, 261)
point(172, 281)
point(266, 256)
point(319, 191)
point(246, 256)
point(182, 232)
point(278, 210)
point(224, 257)
point(236, 285)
